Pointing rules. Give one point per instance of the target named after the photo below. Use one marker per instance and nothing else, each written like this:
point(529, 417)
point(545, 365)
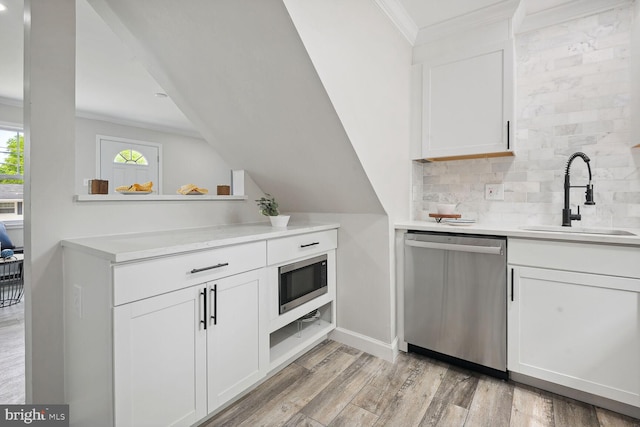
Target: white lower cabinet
point(169, 340)
point(237, 348)
point(577, 329)
point(160, 361)
point(180, 355)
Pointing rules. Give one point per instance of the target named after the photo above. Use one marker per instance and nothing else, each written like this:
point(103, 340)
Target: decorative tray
point(439, 217)
point(135, 192)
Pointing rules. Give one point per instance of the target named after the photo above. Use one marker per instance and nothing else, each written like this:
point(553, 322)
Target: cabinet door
point(236, 344)
point(467, 102)
point(160, 360)
point(578, 330)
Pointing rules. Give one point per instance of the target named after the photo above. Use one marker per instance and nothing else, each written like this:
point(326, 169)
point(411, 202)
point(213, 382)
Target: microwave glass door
point(301, 282)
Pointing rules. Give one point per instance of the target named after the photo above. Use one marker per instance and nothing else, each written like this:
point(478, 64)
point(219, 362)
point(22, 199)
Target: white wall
point(10, 113)
point(50, 213)
point(575, 92)
point(185, 159)
point(252, 93)
point(364, 64)
point(635, 81)
point(49, 104)
point(364, 295)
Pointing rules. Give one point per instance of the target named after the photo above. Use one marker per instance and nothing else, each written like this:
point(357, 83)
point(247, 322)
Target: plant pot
point(279, 221)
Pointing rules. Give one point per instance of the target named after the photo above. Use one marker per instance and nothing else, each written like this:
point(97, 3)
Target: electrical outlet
point(77, 300)
point(85, 182)
point(494, 191)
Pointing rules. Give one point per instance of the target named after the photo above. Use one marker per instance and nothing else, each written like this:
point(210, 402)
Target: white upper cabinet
point(467, 103)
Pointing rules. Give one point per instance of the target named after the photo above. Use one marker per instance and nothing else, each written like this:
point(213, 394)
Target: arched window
point(130, 156)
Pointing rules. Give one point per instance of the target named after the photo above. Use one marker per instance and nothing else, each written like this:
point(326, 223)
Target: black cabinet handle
point(204, 293)
point(214, 289)
point(309, 244)
point(211, 267)
point(512, 285)
point(508, 134)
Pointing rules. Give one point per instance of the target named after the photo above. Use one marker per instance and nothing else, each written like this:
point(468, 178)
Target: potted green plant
point(269, 207)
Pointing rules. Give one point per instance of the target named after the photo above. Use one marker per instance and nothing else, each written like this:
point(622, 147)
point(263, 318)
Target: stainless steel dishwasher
point(455, 299)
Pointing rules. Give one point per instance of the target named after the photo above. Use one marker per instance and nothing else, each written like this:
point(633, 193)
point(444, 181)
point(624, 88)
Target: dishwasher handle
point(490, 250)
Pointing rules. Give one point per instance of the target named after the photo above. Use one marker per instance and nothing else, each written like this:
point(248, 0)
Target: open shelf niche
point(296, 336)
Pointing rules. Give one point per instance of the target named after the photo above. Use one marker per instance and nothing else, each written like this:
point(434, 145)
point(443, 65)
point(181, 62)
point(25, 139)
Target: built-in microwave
point(302, 281)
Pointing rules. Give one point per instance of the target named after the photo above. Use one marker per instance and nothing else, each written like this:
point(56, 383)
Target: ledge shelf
point(152, 197)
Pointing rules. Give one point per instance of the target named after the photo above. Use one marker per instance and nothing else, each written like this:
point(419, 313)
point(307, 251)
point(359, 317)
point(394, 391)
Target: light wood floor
point(12, 354)
point(335, 385)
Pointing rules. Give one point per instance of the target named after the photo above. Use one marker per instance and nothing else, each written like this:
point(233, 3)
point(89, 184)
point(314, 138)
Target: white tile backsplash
point(574, 93)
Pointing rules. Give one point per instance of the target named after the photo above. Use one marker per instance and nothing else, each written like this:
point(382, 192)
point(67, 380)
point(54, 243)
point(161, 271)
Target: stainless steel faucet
point(567, 216)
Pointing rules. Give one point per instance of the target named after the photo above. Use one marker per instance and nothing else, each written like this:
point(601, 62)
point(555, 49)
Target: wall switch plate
point(85, 182)
point(494, 191)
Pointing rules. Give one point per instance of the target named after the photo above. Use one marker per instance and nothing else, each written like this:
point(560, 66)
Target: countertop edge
point(514, 231)
point(104, 247)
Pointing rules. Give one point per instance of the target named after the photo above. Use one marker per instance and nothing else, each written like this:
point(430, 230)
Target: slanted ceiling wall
point(239, 72)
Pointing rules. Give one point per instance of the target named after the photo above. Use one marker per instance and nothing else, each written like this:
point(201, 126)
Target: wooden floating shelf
point(153, 198)
point(469, 156)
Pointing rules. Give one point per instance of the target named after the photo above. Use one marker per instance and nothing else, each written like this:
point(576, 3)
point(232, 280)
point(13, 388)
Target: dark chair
point(11, 281)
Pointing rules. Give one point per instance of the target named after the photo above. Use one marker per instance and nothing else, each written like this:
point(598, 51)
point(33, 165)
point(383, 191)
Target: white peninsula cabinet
point(574, 318)
point(467, 104)
point(169, 337)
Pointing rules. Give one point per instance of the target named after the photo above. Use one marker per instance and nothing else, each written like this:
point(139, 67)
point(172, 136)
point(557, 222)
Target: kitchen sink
point(578, 230)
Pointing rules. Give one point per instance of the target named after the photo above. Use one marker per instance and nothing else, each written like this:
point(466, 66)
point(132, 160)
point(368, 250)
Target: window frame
point(15, 221)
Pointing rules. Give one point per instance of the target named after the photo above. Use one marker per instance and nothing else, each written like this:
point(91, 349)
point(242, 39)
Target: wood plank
point(458, 387)
point(451, 402)
point(281, 408)
point(613, 419)
point(332, 400)
point(376, 396)
point(267, 391)
point(410, 403)
point(12, 356)
point(531, 408)
point(442, 413)
point(301, 420)
point(353, 415)
point(491, 405)
point(317, 354)
point(570, 413)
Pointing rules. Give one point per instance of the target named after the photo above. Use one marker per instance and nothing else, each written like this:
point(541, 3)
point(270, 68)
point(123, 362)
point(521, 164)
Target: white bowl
point(446, 208)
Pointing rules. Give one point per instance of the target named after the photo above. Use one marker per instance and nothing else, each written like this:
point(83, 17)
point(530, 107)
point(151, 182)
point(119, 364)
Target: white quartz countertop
point(137, 246)
point(514, 231)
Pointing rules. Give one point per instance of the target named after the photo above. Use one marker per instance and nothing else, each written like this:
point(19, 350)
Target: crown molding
point(132, 123)
point(477, 18)
point(11, 102)
point(400, 18)
point(566, 12)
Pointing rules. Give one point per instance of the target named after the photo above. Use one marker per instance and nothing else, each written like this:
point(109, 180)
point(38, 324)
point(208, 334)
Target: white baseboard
point(367, 344)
